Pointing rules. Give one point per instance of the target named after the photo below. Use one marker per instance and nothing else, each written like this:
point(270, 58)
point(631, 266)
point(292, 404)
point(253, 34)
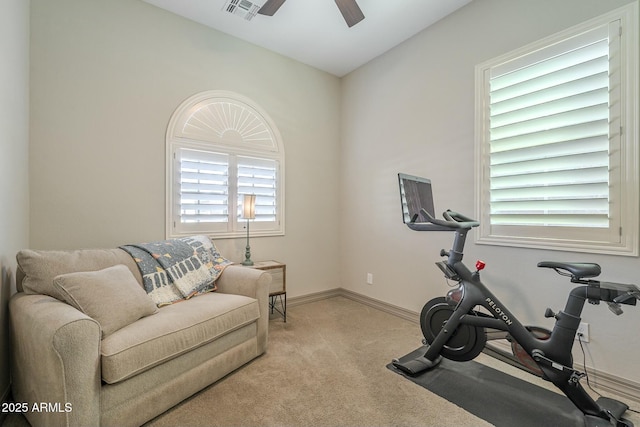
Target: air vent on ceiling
point(243, 8)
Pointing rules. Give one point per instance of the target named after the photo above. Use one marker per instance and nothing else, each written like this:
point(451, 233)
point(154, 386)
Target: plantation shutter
point(550, 140)
point(204, 186)
point(259, 177)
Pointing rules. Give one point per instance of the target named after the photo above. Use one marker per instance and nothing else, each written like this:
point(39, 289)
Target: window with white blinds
point(221, 146)
point(203, 187)
point(259, 176)
point(556, 141)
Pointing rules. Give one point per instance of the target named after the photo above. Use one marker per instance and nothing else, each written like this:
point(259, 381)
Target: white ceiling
point(315, 33)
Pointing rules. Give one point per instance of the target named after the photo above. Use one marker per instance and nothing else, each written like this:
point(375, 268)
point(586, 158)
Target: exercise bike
point(456, 326)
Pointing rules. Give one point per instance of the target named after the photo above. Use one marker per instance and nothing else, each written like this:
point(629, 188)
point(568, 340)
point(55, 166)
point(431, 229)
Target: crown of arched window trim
point(223, 117)
point(249, 159)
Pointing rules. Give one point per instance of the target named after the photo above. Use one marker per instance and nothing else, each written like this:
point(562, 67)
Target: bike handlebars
point(452, 221)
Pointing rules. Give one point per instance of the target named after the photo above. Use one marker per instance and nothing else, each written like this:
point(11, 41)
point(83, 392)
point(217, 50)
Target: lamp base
point(247, 253)
point(247, 250)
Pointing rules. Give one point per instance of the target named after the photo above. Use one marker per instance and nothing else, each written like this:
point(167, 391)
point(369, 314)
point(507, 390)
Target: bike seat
point(578, 270)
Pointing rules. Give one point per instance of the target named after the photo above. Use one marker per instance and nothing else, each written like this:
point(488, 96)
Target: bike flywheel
point(465, 343)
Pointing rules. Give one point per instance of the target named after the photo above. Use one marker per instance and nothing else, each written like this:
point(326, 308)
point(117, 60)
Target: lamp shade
point(249, 206)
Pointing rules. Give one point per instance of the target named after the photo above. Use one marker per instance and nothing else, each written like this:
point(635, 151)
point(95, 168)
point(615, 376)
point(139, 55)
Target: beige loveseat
point(67, 371)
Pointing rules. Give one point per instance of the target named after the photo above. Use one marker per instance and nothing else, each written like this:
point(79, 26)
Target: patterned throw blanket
point(177, 269)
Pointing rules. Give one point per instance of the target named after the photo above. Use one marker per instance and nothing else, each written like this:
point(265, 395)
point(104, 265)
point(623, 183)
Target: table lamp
point(248, 212)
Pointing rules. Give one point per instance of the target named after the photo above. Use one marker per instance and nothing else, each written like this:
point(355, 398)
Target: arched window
point(221, 146)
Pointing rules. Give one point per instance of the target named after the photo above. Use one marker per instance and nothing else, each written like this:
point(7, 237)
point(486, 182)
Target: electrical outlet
point(369, 278)
point(583, 332)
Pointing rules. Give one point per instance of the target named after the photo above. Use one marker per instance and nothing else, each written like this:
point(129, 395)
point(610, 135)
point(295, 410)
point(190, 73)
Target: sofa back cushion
point(37, 269)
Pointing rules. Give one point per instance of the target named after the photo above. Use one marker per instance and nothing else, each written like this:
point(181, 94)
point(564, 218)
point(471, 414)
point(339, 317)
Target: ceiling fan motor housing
point(349, 8)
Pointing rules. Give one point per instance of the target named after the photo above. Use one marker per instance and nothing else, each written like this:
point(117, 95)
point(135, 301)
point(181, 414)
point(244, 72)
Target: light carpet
point(327, 367)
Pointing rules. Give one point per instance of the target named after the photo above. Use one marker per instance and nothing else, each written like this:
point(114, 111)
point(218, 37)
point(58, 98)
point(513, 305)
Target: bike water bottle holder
point(628, 295)
point(615, 294)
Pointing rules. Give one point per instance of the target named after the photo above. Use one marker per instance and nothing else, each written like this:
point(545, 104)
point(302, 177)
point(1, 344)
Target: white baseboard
point(610, 385)
point(340, 292)
point(318, 296)
point(616, 387)
point(412, 316)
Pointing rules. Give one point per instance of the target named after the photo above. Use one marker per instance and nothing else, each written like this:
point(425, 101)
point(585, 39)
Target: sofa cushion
point(174, 330)
point(111, 296)
point(38, 268)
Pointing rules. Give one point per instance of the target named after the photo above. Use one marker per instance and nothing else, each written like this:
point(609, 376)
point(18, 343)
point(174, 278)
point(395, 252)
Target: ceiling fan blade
point(270, 7)
point(350, 11)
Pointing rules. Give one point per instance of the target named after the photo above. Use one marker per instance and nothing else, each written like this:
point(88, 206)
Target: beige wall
point(14, 144)
point(412, 110)
point(106, 77)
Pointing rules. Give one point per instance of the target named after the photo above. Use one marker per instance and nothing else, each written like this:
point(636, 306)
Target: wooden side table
point(278, 287)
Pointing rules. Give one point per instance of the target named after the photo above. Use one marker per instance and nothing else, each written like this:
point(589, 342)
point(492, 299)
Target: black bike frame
point(553, 355)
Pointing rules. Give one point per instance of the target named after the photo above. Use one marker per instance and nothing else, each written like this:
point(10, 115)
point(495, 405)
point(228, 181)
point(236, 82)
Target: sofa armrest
point(55, 361)
point(253, 283)
point(244, 281)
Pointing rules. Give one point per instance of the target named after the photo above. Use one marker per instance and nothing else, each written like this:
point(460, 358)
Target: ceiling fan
point(349, 9)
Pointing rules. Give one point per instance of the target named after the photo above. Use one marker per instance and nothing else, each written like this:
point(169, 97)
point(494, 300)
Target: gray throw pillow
point(111, 296)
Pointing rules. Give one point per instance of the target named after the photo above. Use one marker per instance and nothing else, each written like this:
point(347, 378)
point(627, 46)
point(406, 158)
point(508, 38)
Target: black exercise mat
point(494, 396)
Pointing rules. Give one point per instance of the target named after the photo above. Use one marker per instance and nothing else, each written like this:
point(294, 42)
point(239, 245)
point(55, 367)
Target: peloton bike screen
point(415, 194)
